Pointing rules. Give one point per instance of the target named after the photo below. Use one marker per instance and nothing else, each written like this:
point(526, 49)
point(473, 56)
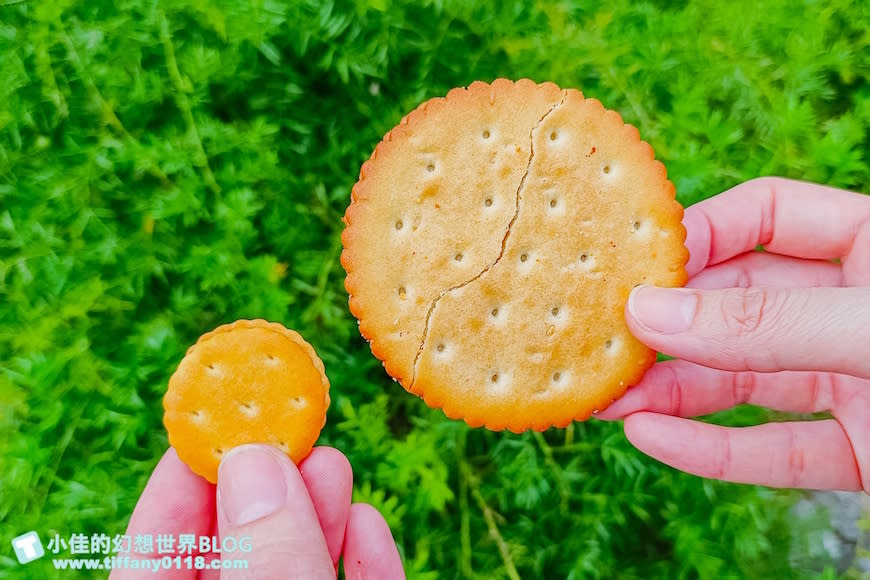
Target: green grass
point(166, 167)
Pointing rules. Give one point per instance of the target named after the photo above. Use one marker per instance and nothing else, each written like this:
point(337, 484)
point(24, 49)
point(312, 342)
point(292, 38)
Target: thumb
point(263, 504)
point(757, 329)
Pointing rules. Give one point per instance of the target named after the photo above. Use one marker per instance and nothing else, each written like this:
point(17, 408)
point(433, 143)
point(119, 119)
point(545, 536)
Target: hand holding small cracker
point(491, 244)
point(266, 518)
point(248, 398)
point(251, 381)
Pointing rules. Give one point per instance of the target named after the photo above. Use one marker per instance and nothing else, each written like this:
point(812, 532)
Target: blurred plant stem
point(465, 568)
point(473, 484)
point(106, 111)
point(181, 90)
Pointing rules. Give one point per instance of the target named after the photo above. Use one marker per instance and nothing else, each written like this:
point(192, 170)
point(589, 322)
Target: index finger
point(329, 478)
point(175, 501)
point(787, 217)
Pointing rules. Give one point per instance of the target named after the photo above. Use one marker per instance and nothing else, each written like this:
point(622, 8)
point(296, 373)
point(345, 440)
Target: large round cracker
point(491, 244)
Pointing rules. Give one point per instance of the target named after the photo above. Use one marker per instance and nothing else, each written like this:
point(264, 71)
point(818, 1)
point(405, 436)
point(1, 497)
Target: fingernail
point(251, 484)
point(663, 310)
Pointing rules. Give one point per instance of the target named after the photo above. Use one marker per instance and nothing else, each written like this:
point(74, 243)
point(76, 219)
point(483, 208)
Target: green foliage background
point(166, 167)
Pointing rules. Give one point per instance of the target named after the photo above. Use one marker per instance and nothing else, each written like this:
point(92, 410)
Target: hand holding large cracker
point(491, 244)
point(786, 328)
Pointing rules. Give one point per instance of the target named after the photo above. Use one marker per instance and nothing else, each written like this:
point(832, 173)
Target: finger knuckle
point(766, 182)
point(675, 393)
point(821, 395)
point(723, 468)
point(745, 311)
point(796, 461)
point(743, 387)
point(744, 279)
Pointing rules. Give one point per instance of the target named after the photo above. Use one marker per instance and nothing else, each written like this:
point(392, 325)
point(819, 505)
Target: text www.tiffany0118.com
point(156, 552)
point(154, 564)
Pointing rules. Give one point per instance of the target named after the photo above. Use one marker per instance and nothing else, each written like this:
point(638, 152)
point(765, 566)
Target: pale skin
point(298, 522)
point(787, 328)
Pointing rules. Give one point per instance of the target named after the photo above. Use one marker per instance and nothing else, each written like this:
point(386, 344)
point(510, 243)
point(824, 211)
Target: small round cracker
point(491, 244)
point(251, 381)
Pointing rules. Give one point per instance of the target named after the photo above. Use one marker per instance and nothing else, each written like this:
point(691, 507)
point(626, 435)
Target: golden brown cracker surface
point(251, 381)
point(491, 244)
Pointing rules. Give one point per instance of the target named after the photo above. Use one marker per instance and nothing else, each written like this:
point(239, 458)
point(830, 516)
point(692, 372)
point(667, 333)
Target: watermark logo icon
point(28, 547)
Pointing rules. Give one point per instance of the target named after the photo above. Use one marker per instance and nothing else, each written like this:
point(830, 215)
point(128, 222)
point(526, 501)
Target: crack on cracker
point(504, 240)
